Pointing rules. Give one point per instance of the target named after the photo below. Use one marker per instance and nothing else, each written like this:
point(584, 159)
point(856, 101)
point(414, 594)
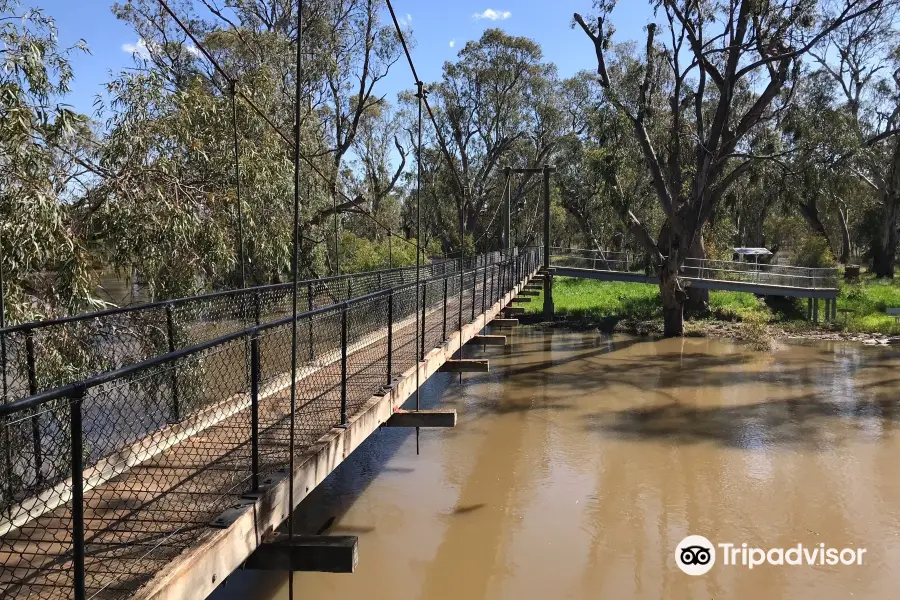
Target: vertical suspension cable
point(337, 245)
point(462, 268)
point(294, 269)
point(420, 94)
point(237, 183)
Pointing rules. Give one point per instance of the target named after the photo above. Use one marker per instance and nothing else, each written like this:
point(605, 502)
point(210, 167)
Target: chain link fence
point(107, 480)
point(39, 356)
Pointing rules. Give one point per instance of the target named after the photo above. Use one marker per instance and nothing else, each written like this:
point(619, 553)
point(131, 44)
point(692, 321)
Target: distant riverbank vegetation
point(729, 123)
point(636, 307)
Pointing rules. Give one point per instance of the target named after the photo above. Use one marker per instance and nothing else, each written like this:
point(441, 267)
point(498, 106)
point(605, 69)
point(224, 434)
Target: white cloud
point(493, 15)
point(140, 48)
point(452, 43)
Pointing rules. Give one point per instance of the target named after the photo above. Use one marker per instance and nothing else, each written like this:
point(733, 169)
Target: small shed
point(751, 252)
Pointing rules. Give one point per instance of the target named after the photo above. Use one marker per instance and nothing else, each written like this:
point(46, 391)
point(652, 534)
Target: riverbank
point(583, 304)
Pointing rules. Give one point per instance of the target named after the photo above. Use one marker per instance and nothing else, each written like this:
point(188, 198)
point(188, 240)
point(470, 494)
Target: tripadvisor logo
point(696, 555)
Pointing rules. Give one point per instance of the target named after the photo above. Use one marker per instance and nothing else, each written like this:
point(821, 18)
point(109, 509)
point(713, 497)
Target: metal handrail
point(31, 325)
point(37, 400)
point(810, 277)
point(73, 430)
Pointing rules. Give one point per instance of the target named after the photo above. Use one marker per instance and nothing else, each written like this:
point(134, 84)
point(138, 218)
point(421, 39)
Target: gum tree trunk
point(672, 300)
point(885, 245)
point(697, 301)
point(845, 237)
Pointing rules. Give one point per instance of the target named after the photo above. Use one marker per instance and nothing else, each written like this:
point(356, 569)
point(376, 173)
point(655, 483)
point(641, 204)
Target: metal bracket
point(232, 514)
point(265, 485)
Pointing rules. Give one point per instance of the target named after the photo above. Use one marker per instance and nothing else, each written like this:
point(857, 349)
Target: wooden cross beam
point(324, 553)
point(489, 340)
point(422, 418)
point(466, 365)
point(505, 322)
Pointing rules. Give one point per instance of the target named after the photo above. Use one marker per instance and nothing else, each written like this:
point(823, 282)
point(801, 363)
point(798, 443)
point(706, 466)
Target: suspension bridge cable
point(295, 259)
point(237, 185)
point(268, 120)
point(442, 142)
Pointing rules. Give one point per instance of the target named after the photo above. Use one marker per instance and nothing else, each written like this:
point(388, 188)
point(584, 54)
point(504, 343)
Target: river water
point(581, 461)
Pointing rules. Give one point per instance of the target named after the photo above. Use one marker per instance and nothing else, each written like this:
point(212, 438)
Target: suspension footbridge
point(158, 479)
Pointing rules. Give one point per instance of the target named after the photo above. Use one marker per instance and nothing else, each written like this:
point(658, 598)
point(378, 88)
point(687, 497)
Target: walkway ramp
point(761, 279)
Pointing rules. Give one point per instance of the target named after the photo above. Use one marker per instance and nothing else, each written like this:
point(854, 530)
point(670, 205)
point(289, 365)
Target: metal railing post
point(484, 289)
point(444, 330)
point(390, 338)
point(344, 365)
point(424, 297)
point(309, 306)
point(77, 460)
point(474, 288)
point(254, 412)
point(175, 409)
point(32, 390)
point(257, 308)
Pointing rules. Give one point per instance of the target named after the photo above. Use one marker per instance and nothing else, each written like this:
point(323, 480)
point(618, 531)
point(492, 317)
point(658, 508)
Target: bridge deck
point(148, 526)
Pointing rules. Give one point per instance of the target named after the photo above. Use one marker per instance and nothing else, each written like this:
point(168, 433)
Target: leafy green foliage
point(45, 264)
point(812, 251)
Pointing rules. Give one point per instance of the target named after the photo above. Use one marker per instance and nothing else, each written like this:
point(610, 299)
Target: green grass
point(861, 305)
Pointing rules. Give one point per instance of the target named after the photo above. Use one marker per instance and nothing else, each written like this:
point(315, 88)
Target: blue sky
point(435, 26)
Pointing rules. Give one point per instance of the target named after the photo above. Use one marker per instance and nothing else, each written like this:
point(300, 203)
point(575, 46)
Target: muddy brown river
point(581, 461)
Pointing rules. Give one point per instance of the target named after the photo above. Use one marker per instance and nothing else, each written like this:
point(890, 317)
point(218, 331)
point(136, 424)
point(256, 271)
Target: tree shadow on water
point(809, 422)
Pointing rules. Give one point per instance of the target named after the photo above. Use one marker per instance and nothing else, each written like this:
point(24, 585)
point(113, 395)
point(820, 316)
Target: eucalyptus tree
point(595, 141)
point(496, 106)
point(818, 180)
point(724, 67)
point(46, 265)
point(861, 57)
point(348, 51)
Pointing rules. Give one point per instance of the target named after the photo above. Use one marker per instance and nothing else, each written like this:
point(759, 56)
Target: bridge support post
point(834, 309)
point(827, 310)
point(444, 326)
point(390, 335)
point(809, 302)
point(309, 306)
point(344, 418)
point(421, 356)
point(815, 310)
point(77, 459)
point(175, 409)
point(31, 368)
point(548, 278)
point(254, 413)
point(507, 239)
